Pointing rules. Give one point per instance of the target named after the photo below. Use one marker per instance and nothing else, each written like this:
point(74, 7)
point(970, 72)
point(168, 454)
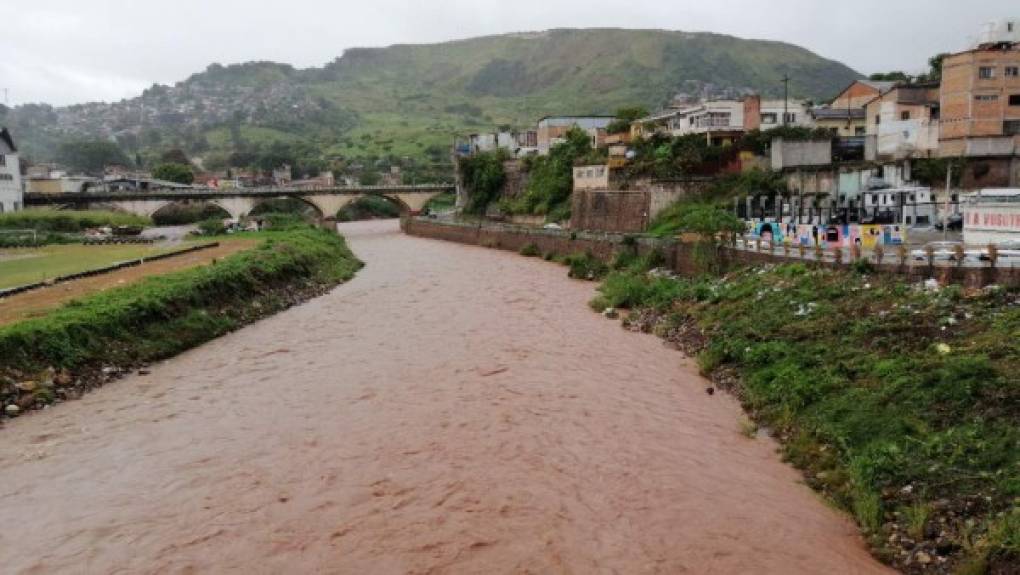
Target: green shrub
point(211, 227)
point(68, 221)
point(531, 251)
point(586, 266)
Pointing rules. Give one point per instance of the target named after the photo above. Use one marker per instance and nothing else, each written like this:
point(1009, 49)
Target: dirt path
point(451, 410)
point(38, 302)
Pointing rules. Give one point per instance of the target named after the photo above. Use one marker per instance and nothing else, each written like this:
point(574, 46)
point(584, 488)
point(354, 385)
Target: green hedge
point(160, 316)
point(68, 221)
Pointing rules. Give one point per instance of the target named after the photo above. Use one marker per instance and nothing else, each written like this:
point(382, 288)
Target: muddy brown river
point(451, 410)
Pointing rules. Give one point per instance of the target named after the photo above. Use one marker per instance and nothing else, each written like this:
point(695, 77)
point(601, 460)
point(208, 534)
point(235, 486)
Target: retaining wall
point(679, 255)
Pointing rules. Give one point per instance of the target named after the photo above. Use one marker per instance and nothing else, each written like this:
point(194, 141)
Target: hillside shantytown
point(592, 300)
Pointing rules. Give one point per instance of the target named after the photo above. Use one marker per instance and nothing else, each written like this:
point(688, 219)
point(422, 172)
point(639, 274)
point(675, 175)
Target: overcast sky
point(70, 51)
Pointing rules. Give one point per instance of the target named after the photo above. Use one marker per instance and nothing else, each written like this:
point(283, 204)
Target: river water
point(450, 410)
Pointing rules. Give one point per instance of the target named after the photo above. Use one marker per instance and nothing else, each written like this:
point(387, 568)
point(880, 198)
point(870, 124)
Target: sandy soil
point(450, 410)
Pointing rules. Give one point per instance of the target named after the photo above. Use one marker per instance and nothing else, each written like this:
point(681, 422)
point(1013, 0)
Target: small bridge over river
point(240, 202)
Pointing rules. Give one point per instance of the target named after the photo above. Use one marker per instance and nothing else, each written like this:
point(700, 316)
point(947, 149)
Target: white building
point(1005, 31)
point(11, 193)
point(776, 113)
point(991, 216)
point(912, 206)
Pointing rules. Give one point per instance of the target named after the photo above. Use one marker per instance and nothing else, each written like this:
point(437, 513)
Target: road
point(450, 410)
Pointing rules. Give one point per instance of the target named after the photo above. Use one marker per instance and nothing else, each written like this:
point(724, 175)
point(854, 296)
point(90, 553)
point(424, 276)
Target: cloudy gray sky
point(69, 51)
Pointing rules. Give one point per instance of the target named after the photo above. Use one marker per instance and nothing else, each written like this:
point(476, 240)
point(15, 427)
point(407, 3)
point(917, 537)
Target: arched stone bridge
point(241, 201)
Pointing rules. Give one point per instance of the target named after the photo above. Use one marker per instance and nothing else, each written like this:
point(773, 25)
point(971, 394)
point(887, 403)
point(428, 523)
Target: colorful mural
point(866, 236)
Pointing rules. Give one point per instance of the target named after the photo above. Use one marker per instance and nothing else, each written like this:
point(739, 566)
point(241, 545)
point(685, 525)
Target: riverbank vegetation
point(89, 340)
point(550, 179)
point(69, 221)
point(901, 404)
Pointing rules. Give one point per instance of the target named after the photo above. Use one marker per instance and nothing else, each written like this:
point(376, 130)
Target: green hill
point(410, 100)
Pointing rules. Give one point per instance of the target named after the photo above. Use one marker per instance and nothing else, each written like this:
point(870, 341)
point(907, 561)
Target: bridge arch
point(259, 205)
point(200, 209)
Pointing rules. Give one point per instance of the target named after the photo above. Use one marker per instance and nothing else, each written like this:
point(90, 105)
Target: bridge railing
point(238, 192)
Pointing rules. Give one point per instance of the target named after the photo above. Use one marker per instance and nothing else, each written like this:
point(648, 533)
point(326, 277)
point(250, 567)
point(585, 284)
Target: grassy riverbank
point(900, 404)
point(79, 345)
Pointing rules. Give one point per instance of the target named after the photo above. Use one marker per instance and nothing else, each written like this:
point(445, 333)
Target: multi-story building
point(844, 116)
point(11, 193)
point(767, 114)
point(980, 109)
point(552, 129)
point(903, 123)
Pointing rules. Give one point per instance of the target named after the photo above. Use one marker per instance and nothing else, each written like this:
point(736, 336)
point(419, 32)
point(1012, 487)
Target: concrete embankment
point(679, 256)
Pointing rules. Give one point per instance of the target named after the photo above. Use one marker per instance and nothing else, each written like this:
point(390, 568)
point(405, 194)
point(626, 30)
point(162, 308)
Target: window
point(905, 115)
point(1012, 71)
point(790, 118)
point(878, 119)
point(1014, 99)
point(986, 98)
point(1011, 128)
point(769, 118)
point(3, 160)
point(986, 72)
point(859, 131)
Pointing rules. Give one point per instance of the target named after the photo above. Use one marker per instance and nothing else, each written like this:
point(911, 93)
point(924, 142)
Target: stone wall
point(679, 256)
point(609, 211)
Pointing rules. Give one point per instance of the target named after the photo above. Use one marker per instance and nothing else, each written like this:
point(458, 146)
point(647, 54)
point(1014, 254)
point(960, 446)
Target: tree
point(896, 76)
point(175, 156)
point(369, 178)
point(934, 68)
point(173, 172)
point(483, 177)
point(624, 118)
point(90, 156)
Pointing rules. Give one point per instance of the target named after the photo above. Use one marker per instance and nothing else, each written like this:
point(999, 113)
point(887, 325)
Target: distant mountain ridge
point(409, 100)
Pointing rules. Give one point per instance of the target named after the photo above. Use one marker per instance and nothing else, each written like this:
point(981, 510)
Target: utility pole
point(945, 209)
point(786, 98)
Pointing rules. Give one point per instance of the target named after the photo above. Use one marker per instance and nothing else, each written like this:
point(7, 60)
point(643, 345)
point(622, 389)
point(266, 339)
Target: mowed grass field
point(20, 266)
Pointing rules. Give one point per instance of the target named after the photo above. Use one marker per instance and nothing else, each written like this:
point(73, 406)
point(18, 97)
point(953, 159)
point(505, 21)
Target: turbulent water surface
point(450, 410)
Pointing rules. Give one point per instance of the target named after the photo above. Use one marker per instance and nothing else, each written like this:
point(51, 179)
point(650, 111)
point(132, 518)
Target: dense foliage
point(179, 173)
point(482, 176)
point(90, 157)
point(551, 177)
